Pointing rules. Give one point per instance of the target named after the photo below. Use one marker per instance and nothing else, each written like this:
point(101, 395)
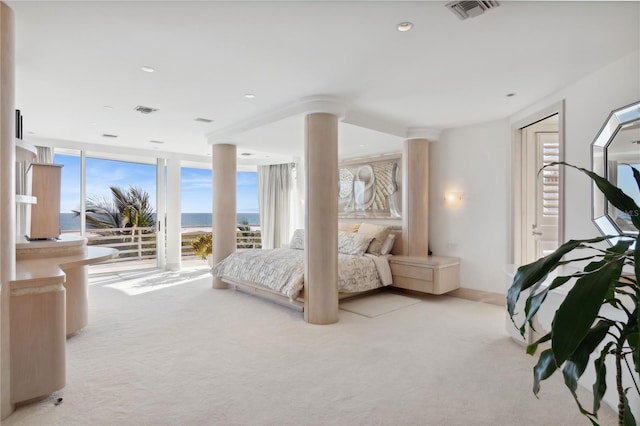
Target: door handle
point(536, 233)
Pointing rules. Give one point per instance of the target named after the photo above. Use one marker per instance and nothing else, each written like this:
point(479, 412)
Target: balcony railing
point(141, 243)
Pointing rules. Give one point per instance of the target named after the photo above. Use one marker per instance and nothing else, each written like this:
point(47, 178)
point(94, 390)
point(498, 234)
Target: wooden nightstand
point(429, 274)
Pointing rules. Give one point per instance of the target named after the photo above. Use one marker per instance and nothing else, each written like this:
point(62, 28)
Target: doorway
point(537, 192)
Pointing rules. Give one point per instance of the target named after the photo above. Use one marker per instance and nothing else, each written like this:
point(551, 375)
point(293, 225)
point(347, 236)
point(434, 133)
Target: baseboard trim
point(461, 293)
point(479, 296)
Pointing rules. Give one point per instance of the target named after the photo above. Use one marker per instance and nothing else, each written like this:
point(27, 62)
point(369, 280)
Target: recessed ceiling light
point(94, 124)
point(249, 96)
point(404, 26)
point(509, 95)
point(157, 142)
point(108, 135)
point(108, 107)
point(361, 146)
point(246, 154)
point(203, 120)
point(147, 69)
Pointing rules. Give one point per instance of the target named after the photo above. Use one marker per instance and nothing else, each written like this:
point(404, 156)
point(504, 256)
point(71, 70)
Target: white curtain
point(45, 154)
point(275, 187)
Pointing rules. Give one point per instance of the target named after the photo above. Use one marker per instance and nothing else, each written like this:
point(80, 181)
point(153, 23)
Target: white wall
point(472, 160)
point(475, 160)
point(588, 104)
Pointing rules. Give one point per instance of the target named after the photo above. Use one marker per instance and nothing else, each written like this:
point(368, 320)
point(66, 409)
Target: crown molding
point(423, 133)
point(323, 104)
point(308, 105)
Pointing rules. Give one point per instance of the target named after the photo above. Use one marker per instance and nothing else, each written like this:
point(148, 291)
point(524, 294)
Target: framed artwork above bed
point(370, 187)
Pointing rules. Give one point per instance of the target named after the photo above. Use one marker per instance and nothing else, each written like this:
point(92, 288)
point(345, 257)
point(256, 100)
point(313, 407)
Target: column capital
point(431, 135)
point(323, 104)
point(211, 141)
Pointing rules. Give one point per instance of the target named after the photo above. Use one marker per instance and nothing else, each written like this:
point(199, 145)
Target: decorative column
point(174, 216)
point(224, 204)
point(415, 197)
point(7, 200)
point(321, 223)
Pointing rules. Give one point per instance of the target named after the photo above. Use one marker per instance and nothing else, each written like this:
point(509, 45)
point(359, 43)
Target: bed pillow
point(379, 234)
point(348, 226)
point(353, 243)
point(387, 246)
point(297, 240)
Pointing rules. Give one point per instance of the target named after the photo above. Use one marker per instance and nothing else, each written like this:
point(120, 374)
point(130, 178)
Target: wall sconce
point(452, 197)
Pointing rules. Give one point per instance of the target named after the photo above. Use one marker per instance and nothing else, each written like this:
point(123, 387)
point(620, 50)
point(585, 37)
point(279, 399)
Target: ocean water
point(70, 222)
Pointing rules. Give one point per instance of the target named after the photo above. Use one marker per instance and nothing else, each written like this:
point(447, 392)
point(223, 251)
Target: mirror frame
point(600, 165)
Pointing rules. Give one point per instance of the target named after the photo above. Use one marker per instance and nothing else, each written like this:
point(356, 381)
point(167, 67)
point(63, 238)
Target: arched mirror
point(615, 148)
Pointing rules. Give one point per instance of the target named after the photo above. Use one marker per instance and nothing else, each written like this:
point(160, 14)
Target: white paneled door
point(541, 192)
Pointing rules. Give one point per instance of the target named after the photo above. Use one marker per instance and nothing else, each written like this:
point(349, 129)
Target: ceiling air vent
point(203, 120)
point(470, 9)
point(144, 110)
point(107, 135)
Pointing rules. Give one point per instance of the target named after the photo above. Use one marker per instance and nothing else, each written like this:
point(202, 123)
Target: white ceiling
point(74, 58)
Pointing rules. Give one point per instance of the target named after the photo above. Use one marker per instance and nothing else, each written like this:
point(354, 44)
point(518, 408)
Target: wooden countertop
point(49, 270)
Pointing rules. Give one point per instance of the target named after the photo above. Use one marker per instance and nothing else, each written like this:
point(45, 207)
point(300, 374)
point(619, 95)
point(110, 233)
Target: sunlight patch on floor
point(135, 283)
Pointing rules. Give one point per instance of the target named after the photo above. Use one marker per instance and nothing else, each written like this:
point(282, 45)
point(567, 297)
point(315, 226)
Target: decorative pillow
point(388, 244)
point(297, 240)
point(348, 226)
point(353, 243)
point(379, 234)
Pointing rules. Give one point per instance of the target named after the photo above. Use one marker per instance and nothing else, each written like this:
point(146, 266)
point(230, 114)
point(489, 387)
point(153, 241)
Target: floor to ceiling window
point(247, 198)
point(108, 178)
point(196, 193)
point(70, 190)
point(196, 196)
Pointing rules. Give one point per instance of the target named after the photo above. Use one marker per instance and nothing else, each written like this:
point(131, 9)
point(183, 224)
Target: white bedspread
point(282, 270)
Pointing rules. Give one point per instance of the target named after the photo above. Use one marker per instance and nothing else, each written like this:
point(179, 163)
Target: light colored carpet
point(377, 304)
point(190, 355)
point(146, 280)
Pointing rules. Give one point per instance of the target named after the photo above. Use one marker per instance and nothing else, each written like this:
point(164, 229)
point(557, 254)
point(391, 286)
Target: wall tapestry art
point(370, 188)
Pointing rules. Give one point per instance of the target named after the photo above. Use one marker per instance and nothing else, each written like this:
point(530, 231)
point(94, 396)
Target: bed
point(363, 265)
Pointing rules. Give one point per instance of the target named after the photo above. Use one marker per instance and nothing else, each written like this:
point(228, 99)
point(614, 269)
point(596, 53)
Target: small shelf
point(26, 199)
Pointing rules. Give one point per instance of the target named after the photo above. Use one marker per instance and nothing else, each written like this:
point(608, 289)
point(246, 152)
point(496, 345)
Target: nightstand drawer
point(428, 274)
point(413, 284)
point(409, 271)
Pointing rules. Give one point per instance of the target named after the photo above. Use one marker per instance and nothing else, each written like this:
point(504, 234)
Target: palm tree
point(126, 209)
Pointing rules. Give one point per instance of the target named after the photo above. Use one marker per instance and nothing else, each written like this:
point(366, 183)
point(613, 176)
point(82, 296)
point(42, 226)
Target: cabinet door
point(45, 214)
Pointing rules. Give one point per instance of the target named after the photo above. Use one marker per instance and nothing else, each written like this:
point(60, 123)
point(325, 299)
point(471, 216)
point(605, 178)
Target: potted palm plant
point(580, 329)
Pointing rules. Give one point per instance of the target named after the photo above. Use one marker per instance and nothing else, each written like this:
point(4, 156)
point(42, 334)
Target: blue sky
point(101, 174)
